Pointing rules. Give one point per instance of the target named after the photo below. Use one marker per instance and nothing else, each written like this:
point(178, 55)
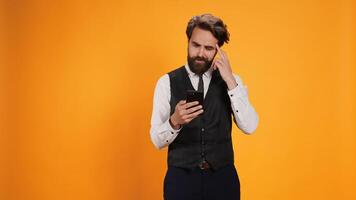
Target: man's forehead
point(203, 37)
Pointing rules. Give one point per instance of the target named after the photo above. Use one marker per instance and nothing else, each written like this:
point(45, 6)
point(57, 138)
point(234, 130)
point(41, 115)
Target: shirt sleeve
point(161, 132)
point(244, 113)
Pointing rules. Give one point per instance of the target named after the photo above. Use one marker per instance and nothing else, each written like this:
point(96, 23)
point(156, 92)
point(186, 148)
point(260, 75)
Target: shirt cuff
point(171, 129)
point(238, 91)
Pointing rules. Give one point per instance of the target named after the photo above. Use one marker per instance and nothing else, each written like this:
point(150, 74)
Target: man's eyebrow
point(208, 46)
point(196, 43)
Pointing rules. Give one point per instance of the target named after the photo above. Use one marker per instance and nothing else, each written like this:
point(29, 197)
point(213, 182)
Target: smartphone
point(193, 95)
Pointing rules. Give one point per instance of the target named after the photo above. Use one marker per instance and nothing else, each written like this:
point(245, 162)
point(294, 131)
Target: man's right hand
point(184, 113)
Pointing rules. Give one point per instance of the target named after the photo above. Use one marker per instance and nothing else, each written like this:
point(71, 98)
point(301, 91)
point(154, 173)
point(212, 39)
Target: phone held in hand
point(193, 95)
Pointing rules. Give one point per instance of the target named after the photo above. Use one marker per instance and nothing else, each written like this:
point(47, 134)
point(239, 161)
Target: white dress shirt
point(162, 133)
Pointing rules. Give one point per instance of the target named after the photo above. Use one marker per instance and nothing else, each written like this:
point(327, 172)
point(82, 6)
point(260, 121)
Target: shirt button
point(172, 132)
point(237, 111)
point(202, 129)
point(202, 154)
point(202, 142)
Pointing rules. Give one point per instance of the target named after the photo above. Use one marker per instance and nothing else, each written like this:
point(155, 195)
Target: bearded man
point(198, 137)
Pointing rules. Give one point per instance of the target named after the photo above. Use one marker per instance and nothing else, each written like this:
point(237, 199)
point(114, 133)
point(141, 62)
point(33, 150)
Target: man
point(200, 150)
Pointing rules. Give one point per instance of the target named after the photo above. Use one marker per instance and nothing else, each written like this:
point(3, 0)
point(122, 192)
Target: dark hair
point(210, 23)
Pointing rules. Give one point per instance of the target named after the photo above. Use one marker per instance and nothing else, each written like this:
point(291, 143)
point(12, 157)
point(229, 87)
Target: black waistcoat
point(207, 137)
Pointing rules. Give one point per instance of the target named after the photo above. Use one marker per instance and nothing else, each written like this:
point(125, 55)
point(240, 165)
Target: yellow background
point(77, 81)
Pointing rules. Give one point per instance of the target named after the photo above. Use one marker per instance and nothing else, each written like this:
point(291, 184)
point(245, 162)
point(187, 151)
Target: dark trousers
point(197, 184)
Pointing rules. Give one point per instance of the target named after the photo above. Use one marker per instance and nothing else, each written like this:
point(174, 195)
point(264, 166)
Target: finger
point(187, 120)
point(213, 65)
point(224, 53)
point(219, 51)
point(193, 109)
point(219, 64)
point(193, 115)
point(190, 104)
point(181, 102)
point(218, 61)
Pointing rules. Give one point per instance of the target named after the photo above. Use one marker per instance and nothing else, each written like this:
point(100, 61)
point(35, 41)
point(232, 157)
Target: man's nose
point(201, 52)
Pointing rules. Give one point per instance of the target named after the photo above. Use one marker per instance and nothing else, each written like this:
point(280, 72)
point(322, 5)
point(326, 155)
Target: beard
point(199, 67)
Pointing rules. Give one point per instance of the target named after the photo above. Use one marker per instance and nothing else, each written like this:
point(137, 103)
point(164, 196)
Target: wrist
point(173, 123)
point(231, 83)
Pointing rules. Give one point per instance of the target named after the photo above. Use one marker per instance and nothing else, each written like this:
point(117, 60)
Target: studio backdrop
point(76, 87)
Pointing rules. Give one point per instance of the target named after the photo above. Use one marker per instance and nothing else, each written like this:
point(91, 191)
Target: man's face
point(201, 50)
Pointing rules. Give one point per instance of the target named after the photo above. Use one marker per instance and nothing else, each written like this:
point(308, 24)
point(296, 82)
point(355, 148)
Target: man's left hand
point(223, 65)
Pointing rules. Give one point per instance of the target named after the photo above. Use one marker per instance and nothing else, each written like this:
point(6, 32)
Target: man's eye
point(209, 48)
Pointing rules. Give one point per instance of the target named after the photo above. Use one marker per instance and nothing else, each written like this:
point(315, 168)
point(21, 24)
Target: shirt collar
point(191, 74)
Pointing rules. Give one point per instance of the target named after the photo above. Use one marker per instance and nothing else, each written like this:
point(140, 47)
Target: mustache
point(197, 58)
